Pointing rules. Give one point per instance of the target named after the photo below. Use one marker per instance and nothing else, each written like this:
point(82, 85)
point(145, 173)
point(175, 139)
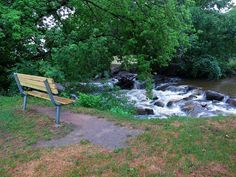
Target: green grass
point(175, 146)
point(20, 130)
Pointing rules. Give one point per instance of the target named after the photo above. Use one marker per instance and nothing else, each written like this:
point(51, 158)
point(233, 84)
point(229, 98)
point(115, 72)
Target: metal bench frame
point(50, 94)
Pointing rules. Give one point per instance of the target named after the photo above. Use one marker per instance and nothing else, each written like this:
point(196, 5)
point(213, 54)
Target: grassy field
point(172, 147)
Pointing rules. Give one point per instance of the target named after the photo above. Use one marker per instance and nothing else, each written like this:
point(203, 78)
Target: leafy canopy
point(82, 45)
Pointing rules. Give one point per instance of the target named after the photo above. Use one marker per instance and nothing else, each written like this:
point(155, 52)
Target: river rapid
point(174, 96)
point(177, 97)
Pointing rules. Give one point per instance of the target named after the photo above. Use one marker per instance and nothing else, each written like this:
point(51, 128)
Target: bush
point(206, 67)
point(107, 102)
point(232, 63)
point(90, 101)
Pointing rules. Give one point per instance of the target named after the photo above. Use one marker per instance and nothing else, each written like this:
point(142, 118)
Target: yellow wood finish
point(36, 82)
point(46, 96)
point(35, 78)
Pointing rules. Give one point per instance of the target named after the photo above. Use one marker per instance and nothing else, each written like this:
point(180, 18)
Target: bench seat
point(45, 96)
point(41, 87)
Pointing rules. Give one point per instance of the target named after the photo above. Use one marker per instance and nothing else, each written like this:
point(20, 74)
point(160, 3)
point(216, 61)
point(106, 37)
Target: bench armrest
point(19, 85)
point(50, 93)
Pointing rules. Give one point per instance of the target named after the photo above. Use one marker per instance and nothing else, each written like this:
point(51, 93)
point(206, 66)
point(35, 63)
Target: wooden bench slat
point(33, 86)
point(35, 78)
point(41, 88)
point(58, 99)
point(36, 82)
point(38, 85)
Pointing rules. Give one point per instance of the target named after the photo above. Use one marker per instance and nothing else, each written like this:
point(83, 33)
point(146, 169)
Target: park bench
point(41, 87)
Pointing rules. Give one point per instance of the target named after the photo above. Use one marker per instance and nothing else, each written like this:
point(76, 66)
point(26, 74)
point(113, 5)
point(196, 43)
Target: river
point(175, 96)
point(226, 86)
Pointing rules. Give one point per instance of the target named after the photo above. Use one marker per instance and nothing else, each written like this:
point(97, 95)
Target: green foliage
point(144, 74)
point(144, 70)
point(210, 4)
point(206, 67)
point(214, 36)
point(216, 33)
point(105, 102)
point(83, 60)
point(232, 63)
point(83, 45)
point(90, 101)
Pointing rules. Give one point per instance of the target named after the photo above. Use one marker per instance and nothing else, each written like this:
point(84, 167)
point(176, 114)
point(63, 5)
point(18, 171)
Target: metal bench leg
point(25, 102)
point(58, 110)
point(21, 91)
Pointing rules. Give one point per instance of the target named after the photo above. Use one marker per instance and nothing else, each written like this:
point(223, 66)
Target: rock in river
point(126, 80)
point(193, 109)
point(232, 101)
point(159, 104)
point(145, 111)
point(212, 95)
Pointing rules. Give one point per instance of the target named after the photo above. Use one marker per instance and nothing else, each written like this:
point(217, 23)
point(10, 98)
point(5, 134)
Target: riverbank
point(170, 147)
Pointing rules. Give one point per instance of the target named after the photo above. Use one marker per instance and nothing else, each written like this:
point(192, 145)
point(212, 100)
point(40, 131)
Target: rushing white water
point(169, 98)
point(173, 101)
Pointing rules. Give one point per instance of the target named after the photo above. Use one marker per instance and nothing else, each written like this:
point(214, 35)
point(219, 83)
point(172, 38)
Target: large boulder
point(145, 111)
point(115, 70)
point(193, 109)
point(188, 106)
point(126, 80)
point(231, 102)
point(212, 95)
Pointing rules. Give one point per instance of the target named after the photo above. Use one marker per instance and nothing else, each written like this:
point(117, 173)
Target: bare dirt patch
point(228, 124)
point(213, 169)
point(153, 164)
point(176, 124)
point(55, 162)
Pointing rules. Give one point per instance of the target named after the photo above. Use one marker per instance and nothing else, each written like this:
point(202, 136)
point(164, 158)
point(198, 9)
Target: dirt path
point(87, 127)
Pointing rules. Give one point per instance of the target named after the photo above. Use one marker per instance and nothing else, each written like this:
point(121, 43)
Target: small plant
point(90, 101)
point(83, 141)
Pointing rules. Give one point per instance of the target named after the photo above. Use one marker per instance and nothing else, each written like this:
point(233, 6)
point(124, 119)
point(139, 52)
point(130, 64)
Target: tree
point(92, 33)
point(214, 41)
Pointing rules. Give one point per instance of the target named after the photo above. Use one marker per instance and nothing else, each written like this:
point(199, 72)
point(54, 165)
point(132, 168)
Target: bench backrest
point(36, 82)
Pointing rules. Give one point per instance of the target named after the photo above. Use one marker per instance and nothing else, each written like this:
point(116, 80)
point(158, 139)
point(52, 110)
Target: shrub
point(107, 102)
point(232, 63)
point(90, 101)
point(206, 67)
